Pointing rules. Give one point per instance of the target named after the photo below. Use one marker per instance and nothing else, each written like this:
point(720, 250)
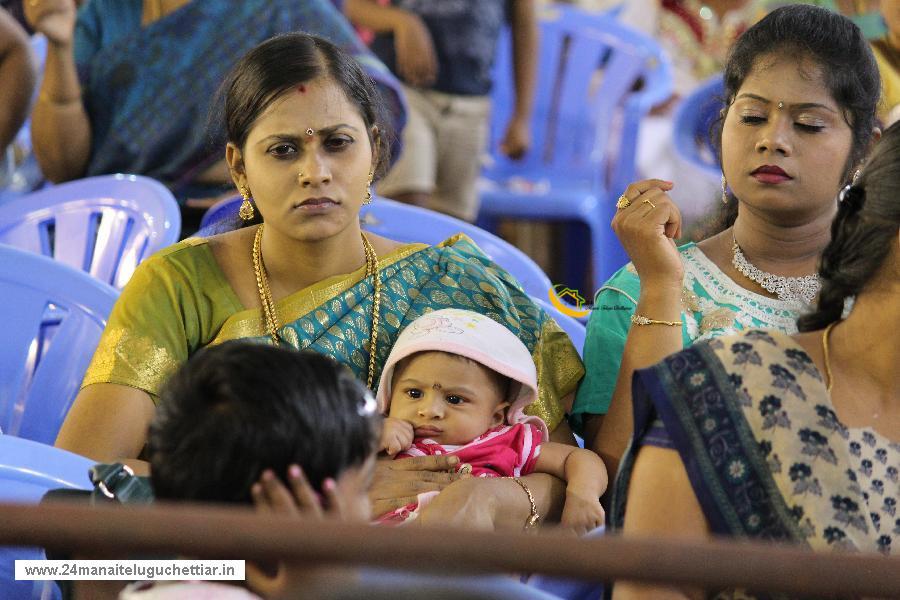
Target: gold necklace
point(828, 377)
point(268, 305)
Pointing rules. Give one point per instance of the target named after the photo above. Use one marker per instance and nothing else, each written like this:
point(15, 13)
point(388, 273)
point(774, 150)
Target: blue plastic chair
point(223, 210)
point(104, 225)
point(407, 224)
point(693, 120)
point(27, 471)
point(590, 69)
point(55, 316)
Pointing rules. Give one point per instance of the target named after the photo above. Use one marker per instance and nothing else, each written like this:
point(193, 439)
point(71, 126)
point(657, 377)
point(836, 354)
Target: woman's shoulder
point(188, 253)
point(754, 359)
point(186, 264)
point(765, 341)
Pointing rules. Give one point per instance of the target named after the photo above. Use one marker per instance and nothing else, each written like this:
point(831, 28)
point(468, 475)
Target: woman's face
point(785, 143)
point(307, 161)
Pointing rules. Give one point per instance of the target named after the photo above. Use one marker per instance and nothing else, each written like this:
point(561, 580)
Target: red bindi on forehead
point(301, 89)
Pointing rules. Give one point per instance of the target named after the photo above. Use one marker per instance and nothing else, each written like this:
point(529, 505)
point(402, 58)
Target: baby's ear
point(500, 414)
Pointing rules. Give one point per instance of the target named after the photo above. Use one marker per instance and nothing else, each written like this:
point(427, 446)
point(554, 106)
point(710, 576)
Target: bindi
point(436, 386)
point(301, 89)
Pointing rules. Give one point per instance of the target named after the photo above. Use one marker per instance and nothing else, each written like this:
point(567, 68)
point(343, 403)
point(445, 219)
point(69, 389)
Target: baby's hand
point(396, 435)
point(582, 514)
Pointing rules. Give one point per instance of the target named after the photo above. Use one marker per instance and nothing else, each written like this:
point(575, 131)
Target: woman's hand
point(414, 50)
point(494, 503)
point(396, 435)
point(647, 229)
point(54, 18)
point(398, 482)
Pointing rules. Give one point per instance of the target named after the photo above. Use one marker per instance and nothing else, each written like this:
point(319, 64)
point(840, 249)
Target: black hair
point(236, 409)
point(830, 40)
point(863, 233)
point(287, 60)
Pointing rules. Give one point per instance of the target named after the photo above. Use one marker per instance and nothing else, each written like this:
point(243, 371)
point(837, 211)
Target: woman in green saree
point(304, 145)
point(794, 439)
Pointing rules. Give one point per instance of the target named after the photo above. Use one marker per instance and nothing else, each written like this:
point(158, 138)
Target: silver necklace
point(788, 289)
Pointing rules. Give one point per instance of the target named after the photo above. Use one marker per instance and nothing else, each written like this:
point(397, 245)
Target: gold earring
point(246, 212)
point(368, 199)
point(724, 191)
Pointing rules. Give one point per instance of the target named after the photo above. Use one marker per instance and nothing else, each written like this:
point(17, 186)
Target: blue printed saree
point(765, 452)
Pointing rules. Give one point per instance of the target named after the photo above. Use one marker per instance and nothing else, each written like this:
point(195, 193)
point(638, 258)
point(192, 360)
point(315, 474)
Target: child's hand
point(270, 496)
point(582, 514)
point(396, 435)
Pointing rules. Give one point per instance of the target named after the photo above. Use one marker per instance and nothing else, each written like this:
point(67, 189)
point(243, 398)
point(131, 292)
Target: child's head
point(447, 397)
point(239, 408)
point(454, 374)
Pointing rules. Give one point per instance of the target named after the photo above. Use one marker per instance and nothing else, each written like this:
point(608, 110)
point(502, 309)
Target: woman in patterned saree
point(801, 88)
point(128, 82)
point(785, 438)
point(304, 145)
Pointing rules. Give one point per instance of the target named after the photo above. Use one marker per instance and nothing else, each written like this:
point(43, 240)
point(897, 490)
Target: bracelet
point(642, 320)
point(533, 520)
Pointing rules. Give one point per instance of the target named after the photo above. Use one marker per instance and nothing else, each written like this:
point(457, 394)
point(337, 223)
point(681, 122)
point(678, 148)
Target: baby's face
point(448, 399)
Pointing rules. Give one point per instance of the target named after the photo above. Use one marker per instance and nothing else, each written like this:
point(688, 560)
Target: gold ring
point(623, 202)
point(646, 201)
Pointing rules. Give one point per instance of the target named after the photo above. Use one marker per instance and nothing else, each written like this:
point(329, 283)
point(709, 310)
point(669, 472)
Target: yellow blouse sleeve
point(160, 319)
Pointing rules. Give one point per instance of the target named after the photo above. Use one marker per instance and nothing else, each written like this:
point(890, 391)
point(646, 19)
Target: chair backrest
point(590, 68)
point(407, 224)
point(55, 316)
point(27, 471)
point(576, 330)
point(225, 209)
point(104, 225)
point(693, 123)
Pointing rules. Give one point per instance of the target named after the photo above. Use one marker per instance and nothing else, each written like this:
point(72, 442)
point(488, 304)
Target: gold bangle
point(533, 520)
point(642, 320)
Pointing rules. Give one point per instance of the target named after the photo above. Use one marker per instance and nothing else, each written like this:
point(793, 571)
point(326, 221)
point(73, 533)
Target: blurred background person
point(18, 73)
point(887, 53)
point(444, 53)
point(127, 84)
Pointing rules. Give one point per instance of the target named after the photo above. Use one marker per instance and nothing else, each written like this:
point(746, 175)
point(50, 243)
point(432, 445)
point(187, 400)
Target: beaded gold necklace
point(268, 305)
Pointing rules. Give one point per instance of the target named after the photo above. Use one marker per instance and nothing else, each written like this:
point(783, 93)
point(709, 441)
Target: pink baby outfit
point(504, 451)
point(508, 450)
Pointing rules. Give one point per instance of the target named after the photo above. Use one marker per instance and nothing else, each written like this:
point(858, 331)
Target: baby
point(457, 382)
